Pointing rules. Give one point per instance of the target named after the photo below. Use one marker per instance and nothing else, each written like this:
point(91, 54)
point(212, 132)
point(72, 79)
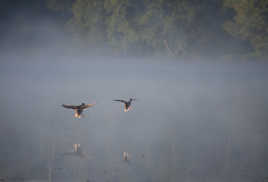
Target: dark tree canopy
point(181, 28)
point(250, 23)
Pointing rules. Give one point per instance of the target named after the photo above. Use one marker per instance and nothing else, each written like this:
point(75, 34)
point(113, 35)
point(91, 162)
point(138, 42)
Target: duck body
point(78, 109)
point(127, 104)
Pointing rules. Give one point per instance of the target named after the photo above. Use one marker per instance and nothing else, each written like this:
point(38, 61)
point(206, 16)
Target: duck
point(78, 109)
point(127, 104)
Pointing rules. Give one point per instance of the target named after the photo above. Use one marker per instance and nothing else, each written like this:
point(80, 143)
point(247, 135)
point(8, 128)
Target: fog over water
point(192, 121)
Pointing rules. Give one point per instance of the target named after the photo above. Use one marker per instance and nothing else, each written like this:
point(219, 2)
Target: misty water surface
point(192, 121)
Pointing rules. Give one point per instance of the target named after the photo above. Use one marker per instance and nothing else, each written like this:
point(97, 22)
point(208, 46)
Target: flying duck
point(78, 109)
point(126, 104)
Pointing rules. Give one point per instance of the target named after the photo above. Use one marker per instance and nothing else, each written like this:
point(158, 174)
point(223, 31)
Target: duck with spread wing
point(127, 104)
point(78, 109)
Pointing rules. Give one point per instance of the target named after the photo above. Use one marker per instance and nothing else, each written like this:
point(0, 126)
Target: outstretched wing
point(87, 106)
point(69, 106)
point(123, 101)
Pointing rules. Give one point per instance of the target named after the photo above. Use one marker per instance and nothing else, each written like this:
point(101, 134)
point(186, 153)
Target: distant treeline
point(174, 27)
point(178, 28)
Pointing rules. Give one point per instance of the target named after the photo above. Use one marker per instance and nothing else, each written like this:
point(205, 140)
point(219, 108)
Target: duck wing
point(87, 106)
point(123, 101)
point(69, 106)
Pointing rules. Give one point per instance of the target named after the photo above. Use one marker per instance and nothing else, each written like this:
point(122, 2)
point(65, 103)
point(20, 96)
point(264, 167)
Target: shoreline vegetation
point(223, 29)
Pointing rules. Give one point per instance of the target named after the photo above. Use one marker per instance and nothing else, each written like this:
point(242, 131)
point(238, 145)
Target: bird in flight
point(126, 103)
point(78, 109)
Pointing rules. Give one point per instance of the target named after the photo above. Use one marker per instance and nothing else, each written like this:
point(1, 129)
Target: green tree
point(59, 5)
point(167, 24)
point(142, 27)
point(88, 20)
point(150, 26)
point(122, 25)
point(250, 23)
